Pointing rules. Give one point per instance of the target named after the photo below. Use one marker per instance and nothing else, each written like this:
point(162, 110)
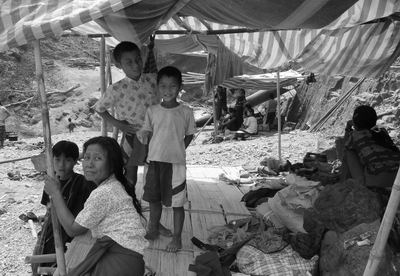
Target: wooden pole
point(278, 93)
point(109, 79)
point(59, 247)
point(103, 79)
point(378, 249)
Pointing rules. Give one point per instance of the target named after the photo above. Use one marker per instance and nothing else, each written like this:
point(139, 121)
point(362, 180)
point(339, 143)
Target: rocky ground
point(23, 195)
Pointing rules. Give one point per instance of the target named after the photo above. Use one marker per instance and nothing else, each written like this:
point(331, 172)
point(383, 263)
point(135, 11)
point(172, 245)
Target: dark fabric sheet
point(109, 258)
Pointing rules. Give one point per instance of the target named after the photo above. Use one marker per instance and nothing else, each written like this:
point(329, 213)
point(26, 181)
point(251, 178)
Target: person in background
point(111, 213)
point(221, 107)
point(171, 126)
point(235, 121)
point(71, 125)
point(4, 114)
point(270, 112)
point(370, 156)
point(74, 189)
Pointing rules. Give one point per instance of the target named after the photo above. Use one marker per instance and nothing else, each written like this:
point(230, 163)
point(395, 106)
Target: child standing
point(171, 126)
point(71, 125)
point(130, 97)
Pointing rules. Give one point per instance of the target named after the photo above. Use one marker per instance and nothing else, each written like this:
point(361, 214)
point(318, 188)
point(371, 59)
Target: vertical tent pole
point(49, 158)
point(109, 80)
point(103, 79)
point(214, 114)
point(378, 249)
point(278, 93)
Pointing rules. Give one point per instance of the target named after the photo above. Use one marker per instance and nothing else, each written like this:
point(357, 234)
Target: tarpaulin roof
point(324, 36)
point(262, 81)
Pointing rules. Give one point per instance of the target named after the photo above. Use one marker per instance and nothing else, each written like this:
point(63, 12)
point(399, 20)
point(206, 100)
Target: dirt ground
point(21, 196)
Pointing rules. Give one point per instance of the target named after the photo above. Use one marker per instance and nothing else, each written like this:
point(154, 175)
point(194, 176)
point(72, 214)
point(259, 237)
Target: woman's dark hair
point(364, 117)
point(116, 163)
point(124, 46)
point(68, 148)
point(170, 71)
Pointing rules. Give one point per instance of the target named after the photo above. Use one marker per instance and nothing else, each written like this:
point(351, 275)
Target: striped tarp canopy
point(350, 45)
point(325, 36)
point(263, 81)
point(24, 21)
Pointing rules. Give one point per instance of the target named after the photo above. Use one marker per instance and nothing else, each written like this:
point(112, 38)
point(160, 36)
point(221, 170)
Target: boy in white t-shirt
point(171, 126)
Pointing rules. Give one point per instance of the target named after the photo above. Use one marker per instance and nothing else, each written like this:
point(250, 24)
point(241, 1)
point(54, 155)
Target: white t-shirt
point(109, 211)
point(169, 126)
point(250, 124)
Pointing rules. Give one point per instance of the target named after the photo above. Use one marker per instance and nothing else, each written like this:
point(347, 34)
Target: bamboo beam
point(103, 79)
point(378, 249)
point(184, 32)
point(38, 259)
point(59, 247)
point(278, 93)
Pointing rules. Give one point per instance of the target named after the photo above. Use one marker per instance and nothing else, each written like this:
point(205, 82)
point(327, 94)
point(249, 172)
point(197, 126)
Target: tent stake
point(378, 249)
point(278, 93)
point(103, 79)
point(49, 158)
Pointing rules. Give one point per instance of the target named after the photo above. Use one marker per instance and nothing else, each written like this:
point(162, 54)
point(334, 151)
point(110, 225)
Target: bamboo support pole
point(202, 128)
point(38, 259)
point(215, 114)
point(103, 79)
point(109, 80)
point(278, 93)
point(378, 249)
point(59, 247)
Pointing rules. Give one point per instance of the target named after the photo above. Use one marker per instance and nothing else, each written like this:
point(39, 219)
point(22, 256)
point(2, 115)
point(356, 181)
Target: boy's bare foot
point(152, 235)
point(175, 245)
point(164, 231)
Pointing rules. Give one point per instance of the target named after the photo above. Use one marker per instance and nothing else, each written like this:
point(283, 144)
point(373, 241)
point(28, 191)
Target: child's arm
point(188, 139)
point(122, 125)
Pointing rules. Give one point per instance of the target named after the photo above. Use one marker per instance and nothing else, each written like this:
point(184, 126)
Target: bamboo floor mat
point(211, 203)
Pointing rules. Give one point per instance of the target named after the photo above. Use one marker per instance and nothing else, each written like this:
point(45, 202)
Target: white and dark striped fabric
point(263, 81)
point(22, 21)
point(360, 38)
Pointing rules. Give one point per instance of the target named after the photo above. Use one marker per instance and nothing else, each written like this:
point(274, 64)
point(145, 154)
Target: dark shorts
point(2, 132)
point(133, 151)
point(165, 183)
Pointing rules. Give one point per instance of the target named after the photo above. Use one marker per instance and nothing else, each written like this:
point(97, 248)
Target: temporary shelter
point(350, 37)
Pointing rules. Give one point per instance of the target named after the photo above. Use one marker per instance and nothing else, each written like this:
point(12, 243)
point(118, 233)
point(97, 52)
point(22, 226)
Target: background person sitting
point(236, 117)
point(112, 213)
point(370, 155)
point(250, 126)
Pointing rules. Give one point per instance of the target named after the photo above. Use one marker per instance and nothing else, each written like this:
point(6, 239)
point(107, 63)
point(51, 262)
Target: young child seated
point(75, 190)
point(250, 126)
point(171, 126)
point(370, 155)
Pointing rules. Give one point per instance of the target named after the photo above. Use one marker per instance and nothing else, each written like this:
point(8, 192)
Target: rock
point(36, 119)
point(92, 101)
point(2, 211)
point(388, 119)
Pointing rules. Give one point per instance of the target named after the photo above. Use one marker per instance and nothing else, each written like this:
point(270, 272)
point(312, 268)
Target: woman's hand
point(52, 186)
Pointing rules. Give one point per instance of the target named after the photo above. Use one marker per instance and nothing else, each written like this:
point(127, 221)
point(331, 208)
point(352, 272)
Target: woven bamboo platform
point(211, 203)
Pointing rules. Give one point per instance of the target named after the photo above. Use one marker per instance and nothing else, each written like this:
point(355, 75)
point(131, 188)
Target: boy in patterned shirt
point(170, 127)
point(130, 97)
